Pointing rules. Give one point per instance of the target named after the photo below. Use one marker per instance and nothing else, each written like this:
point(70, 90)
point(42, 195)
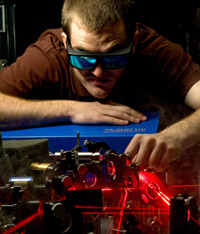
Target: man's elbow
point(192, 98)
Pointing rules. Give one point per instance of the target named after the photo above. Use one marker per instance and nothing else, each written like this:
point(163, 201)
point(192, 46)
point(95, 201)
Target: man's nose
point(99, 69)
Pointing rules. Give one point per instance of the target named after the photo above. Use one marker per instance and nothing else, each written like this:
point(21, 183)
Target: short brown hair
point(97, 14)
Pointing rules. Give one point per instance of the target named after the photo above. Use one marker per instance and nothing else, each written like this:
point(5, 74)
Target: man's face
point(99, 81)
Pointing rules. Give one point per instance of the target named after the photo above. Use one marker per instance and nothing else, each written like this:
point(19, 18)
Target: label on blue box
point(65, 136)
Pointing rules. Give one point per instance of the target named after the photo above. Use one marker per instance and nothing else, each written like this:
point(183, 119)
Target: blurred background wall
point(22, 21)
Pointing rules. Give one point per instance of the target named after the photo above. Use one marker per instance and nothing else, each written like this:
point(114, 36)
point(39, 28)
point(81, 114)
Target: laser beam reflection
point(163, 198)
point(159, 193)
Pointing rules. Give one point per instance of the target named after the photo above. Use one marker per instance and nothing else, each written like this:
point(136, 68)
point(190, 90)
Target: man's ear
point(64, 38)
point(135, 39)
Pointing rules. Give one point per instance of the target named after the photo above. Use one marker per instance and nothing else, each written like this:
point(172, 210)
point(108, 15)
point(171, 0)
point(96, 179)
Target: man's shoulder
point(142, 28)
point(49, 39)
point(150, 41)
point(54, 32)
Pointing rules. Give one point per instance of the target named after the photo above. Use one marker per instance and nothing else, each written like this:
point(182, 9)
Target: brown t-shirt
point(43, 72)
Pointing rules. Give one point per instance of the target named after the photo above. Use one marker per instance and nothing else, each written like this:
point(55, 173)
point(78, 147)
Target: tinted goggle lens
point(82, 62)
point(109, 62)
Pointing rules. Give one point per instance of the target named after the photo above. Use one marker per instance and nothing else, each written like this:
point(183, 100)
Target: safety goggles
point(85, 60)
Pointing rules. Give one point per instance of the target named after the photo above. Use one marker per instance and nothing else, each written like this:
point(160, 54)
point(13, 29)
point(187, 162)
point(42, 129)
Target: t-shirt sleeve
point(180, 73)
point(169, 62)
point(39, 72)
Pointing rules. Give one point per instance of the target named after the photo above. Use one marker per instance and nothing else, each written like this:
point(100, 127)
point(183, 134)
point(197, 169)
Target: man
point(81, 74)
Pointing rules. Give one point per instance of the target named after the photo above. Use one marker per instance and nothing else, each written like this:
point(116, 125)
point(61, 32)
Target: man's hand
point(104, 113)
point(156, 150)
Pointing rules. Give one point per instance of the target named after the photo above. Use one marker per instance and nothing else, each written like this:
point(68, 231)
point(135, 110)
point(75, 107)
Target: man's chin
point(100, 94)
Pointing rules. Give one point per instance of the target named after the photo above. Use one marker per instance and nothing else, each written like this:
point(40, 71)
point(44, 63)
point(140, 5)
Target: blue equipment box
point(65, 136)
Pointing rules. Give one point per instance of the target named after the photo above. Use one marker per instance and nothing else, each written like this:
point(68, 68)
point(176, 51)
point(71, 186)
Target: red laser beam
point(115, 219)
point(188, 215)
point(119, 215)
point(110, 227)
point(196, 221)
point(122, 210)
point(23, 222)
point(109, 210)
point(183, 186)
point(119, 208)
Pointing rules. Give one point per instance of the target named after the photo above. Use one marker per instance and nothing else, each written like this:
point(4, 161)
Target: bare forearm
point(17, 112)
point(186, 131)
